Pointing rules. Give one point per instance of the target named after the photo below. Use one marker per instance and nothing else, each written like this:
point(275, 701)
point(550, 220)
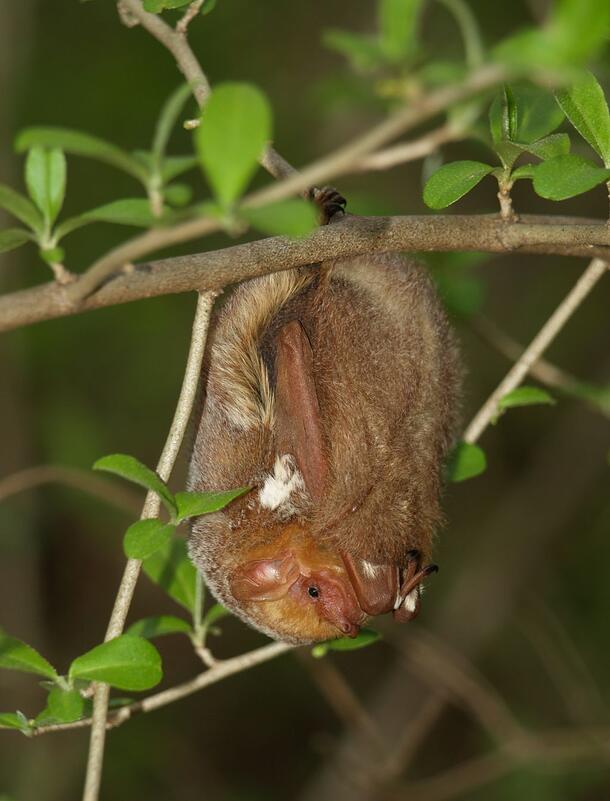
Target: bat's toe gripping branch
point(413, 575)
point(330, 202)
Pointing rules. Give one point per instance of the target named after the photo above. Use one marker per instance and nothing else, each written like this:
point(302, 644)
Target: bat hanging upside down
point(331, 391)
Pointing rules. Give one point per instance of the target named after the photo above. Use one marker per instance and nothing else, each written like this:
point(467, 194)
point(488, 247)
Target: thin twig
point(189, 15)
point(84, 480)
point(150, 510)
point(352, 236)
point(219, 671)
point(409, 151)
point(538, 345)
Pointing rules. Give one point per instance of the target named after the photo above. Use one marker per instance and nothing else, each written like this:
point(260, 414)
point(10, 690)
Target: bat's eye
point(313, 592)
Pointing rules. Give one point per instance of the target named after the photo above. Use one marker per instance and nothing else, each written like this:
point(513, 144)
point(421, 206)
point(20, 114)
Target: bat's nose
point(349, 629)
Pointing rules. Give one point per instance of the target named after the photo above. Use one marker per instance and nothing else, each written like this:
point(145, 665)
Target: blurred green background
point(523, 590)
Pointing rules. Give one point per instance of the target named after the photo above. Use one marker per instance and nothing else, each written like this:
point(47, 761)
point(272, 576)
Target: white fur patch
point(281, 484)
point(369, 570)
point(410, 601)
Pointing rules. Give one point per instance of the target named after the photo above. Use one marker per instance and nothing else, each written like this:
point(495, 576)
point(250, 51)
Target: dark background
point(523, 589)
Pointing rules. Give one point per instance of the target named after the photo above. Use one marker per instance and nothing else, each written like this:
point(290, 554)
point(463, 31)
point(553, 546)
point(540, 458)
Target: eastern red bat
point(331, 391)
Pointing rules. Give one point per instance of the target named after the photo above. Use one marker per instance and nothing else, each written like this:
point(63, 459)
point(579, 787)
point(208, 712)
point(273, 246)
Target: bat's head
point(298, 593)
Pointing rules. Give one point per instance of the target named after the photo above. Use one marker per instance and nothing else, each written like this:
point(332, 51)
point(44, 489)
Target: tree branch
point(352, 236)
point(151, 509)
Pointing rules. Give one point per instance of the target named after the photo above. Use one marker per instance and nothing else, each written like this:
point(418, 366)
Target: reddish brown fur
point(387, 376)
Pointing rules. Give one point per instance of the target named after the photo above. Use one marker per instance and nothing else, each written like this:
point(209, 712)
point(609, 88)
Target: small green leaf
point(127, 662)
point(214, 614)
point(294, 217)
point(150, 627)
point(363, 52)
point(365, 638)
point(128, 467)
point(398, 28)
point(178, 194)
point(208, 5)
point(525, 171)
point(549, 147)
point(567, 176)
point(193, 504)
point(153, 6)
point(16, 655)
point(167, 120)
point(45, 176)
point(525, 396)
point(12, 238)
point(234, 131)
point(21, 208)
point(172, 570)
point(466, 461)
point(173, 166)
point(145, 537)
point(81, 144)
point(523, 114)
point(128, 211)
point(584, 104)
point(14, 720)
point(52, 255)
point(63, 706)
point(453, 181)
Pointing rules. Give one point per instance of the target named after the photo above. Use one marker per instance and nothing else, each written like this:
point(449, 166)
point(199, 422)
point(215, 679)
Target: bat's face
point(294, 586)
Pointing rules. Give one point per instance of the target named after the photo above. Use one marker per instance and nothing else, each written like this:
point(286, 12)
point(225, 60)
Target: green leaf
point(127, 662)
point(172, 570)
point(363, 52)
point(128, 467)
point(398, 28)
point(550, 147)
point(523, 114)
point(214, 614)
point(150, 627)
point(525, 396)
point(45, 177)
point(525, 171)
point(16, 655)
point(153, 6)
point(234, 131)
point(294, 217)
point(167, 119)
point(63, 706)
point(81, 144)
point(128, 211)
point(208, 5)
point(365, 638)
point(453, 181)
point(145, 537)
point(193, 504)
point(52, 255)
point(584, 104)
point(567, 176)
point(12, 238)
point(21, 208)
point(178, 194)
point(173, 166)
point(466, 461)
point(14, 720)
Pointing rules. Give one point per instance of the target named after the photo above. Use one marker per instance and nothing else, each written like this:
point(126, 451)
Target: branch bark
point(212, 270)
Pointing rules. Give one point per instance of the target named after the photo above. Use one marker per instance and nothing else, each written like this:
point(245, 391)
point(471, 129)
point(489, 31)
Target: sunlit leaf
point(144, 537)
point(466, 461)
point(214, 614)
point(398, 28)
point(128, 467)
point(15, 720)
point(525, 396)
point(567, 176)
point(63, 706)
point(235, 129)
point(45, 177)
point(21, 208)
point(12, 238)
point(293, 217)
point(81, 144)
point(365, 638)
point(127, 662)
point(193, 504)
point(167, 120)
point(452, 181)
point(585, 106)
point(173, 166)
point(523, 114)
point(16, 655)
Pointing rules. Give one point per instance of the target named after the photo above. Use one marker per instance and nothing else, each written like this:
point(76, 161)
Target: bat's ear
point(298, 419)
point(376, 586)
point(265, 579)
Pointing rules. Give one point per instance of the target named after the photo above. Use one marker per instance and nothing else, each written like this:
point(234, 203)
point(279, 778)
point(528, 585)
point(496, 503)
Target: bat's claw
point(330, 202)
point(409, 596)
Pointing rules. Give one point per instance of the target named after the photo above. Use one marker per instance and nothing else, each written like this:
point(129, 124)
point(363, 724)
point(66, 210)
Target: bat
point(331, 391)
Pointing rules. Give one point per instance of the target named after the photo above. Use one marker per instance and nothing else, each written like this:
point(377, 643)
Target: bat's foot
point(330, 202)
point(409, 595)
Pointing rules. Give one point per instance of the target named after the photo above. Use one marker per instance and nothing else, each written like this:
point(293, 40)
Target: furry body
point(386, 377)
